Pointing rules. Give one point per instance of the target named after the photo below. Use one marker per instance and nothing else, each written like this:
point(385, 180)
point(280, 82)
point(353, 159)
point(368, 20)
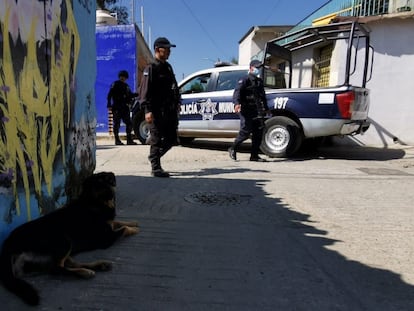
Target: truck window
point(197, 84)
point(276, 77)
point(276, 73)
point(227, 80)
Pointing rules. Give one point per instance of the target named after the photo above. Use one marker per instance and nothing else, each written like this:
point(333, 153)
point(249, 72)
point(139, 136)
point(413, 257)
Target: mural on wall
point(39, 50)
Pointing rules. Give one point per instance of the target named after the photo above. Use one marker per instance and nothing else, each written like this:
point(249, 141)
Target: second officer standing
point(250, 102)
point(119, 98)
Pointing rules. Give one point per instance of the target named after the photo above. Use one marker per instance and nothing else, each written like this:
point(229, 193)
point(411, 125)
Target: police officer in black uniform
point(118, 99)
point(160, 99)
point(250, 102)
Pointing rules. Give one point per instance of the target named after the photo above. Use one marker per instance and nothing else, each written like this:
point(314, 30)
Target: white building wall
point(245, 53)
point(392, 84)
point(302, 62)
point(254, 42)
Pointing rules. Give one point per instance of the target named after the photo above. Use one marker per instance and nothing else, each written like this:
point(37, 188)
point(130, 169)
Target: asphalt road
point(327, 230)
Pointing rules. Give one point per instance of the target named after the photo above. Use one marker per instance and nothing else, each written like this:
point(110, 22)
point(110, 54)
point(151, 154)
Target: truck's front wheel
point(140, 126)
point(282, 137)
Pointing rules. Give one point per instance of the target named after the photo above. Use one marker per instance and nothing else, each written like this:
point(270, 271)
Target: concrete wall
point(245, 50)
point(392, 103)
point(47, 109)
point(254, 41)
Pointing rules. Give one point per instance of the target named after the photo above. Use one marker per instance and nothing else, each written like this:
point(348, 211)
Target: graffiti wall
point(47, 110)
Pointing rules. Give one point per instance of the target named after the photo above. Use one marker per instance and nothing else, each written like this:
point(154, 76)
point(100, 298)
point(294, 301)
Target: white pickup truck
point(296, 114)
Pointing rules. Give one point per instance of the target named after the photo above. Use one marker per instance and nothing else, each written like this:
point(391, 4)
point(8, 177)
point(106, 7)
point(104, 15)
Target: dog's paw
point(133, 224)
point(85, 273)
point(130, 230)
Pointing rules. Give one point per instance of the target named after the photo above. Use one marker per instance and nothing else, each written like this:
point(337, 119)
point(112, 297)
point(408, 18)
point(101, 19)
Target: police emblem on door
point(208, 109)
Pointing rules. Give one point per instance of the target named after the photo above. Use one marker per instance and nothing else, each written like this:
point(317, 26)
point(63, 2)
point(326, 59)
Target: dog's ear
point(98, 188)
point(96, 192)
point(112, 178)
point(107, 177)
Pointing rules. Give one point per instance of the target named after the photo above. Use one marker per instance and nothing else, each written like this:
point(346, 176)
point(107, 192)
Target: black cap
point(255, 63)
point(163, 42)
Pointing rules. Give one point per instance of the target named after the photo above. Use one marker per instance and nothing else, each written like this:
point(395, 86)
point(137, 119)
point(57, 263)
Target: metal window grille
point(322, 67)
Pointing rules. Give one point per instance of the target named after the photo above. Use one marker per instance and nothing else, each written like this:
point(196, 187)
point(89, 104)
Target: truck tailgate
point(360, 106)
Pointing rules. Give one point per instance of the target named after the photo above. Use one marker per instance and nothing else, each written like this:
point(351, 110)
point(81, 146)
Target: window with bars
point(322, 66)
point(369, 7)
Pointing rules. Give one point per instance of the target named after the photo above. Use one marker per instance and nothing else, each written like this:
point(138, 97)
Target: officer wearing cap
point(249, 100)
point(118, 99)
point(160, 99)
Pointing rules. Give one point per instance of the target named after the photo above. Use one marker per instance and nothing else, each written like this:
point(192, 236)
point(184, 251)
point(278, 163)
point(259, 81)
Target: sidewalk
point(224, 235)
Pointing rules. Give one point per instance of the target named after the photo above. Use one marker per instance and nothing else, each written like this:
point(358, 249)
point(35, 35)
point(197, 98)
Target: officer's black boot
point(117, 140)
point(157, 170)
point(255, 158)
point(130, 140)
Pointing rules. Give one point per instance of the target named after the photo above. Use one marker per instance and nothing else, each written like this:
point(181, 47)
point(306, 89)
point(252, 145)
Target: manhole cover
point(382, 171)
point(216, 198)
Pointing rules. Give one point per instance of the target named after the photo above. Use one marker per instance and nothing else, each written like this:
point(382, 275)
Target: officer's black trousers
point(249, 124)
point(118, 115)
point(163, 135)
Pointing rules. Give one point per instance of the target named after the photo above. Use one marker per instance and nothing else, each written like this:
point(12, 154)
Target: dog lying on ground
point(49, 241)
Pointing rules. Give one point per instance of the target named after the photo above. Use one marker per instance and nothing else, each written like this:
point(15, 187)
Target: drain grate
point(383, 171)
point(216, 198)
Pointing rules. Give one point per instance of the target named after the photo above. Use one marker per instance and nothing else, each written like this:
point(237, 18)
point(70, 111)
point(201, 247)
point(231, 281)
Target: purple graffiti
point(5, 88)
point(65, 29)
point(6, 178)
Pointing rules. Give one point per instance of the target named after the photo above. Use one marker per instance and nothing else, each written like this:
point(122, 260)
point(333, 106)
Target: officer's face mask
point(255, 71)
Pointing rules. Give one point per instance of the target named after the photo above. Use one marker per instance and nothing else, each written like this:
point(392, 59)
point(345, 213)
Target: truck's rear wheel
point(282, 137)
point(140, 127)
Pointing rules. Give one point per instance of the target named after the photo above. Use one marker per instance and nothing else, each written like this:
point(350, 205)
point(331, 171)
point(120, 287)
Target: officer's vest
point(252, 91)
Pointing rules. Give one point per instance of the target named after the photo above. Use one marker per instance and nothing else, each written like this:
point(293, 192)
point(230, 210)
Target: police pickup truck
point(295, 114)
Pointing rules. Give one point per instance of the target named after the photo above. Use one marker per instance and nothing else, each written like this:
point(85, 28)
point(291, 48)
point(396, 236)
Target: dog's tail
point(16, 285)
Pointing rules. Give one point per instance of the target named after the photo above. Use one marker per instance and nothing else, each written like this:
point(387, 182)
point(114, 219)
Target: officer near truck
point(250, 102)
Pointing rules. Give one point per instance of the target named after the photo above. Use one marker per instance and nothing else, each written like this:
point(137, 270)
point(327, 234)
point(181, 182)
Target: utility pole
point(142, 19)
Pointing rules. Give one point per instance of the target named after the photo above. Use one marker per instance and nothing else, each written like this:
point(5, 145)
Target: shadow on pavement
point(344, 152)
point(245, 251)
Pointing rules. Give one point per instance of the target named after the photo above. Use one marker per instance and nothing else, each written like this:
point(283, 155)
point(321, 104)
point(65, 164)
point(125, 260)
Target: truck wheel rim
point(277, 138)
point(143, 129)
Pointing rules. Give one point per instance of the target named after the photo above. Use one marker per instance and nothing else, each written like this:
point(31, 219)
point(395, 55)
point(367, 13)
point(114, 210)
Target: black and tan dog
point(49, 241)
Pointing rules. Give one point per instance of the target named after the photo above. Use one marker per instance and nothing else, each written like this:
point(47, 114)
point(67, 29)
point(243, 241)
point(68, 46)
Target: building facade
point(254, 41)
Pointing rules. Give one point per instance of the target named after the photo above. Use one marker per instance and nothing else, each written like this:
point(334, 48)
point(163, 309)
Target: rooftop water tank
point(104, 18)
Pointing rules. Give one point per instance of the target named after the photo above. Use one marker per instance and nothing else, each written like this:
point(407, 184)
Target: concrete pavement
point(331, 230)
